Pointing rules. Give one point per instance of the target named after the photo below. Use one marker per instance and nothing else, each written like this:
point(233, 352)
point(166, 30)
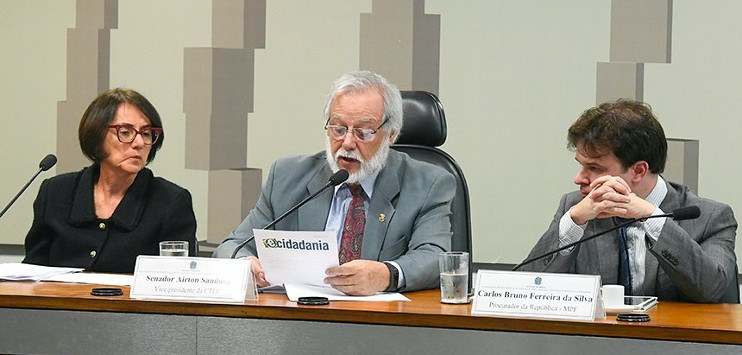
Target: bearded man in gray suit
point(621, 148)
point(406, 203)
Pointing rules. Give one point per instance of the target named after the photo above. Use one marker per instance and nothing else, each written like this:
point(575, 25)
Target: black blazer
point(66, 232)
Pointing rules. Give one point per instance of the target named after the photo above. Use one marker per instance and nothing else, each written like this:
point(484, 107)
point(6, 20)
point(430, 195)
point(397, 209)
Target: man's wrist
point(393, 278)
point(576, 218)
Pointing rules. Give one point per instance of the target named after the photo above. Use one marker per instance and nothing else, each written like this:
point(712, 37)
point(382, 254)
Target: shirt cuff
point(653, 226)
point(401, 282)
point(569, 232)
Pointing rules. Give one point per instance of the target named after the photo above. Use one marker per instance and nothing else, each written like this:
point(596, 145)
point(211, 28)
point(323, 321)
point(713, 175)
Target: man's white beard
point(374, 165)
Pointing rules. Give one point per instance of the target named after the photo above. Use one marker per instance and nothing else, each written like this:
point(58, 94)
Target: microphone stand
point(20, 192)
point(337, 179)
point(528, 261)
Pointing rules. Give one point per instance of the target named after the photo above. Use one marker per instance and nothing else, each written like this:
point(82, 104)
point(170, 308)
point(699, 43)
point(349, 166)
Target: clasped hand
point(610, 196)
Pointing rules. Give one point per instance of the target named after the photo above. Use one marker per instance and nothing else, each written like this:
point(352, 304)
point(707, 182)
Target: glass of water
point(174, 248)
point(454, 267)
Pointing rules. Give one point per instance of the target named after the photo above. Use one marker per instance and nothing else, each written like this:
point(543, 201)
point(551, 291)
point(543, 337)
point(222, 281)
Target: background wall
point(512, 76)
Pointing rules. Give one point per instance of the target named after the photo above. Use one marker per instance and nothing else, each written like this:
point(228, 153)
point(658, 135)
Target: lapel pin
point(382, 217)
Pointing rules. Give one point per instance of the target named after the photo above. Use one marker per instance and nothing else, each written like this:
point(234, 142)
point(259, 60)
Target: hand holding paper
point(299, 261)
point(296, 257)
point(359, 277)
point(257, 270)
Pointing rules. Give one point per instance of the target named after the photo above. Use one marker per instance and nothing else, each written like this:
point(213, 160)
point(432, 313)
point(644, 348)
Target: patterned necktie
point(355, 222)
point(624, 268)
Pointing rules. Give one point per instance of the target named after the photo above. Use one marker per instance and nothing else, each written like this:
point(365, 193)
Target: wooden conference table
point(50, 317)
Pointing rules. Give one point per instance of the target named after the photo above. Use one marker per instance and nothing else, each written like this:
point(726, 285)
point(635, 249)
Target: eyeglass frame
point(157, 130)
point(356, 131)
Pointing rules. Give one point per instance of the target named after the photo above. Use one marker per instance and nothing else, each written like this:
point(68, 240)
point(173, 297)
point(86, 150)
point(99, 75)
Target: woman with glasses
point(102, 217)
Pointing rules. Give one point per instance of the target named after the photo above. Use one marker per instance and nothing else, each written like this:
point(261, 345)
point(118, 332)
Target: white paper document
point(21, 271)
point(94, 278)
point(294, 257)
point(298, 260)
point(294, 291)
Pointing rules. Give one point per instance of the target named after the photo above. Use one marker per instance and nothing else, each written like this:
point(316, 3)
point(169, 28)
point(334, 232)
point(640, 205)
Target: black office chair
point(423, 131)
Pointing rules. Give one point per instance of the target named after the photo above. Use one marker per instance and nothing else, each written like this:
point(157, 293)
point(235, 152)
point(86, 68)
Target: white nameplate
point(536, 295)
point(191, 279)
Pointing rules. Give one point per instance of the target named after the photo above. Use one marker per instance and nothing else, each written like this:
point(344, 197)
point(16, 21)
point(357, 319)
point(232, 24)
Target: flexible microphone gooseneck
point(45, 164)
point(678, 214)
point(336, 179)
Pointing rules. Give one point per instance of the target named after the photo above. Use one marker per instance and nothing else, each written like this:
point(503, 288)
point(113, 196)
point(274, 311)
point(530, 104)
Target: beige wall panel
point(255, 18)
point(682, 162)
point(218, 84)
point(94, 14)
point(228, 23)
point(197, 106)
point(88, 68)
point(218, 96)
point(197, 79)
point(426, 52)
point(620, 80)
point(239, 23)
point(233, 83)
point(228, 148)
point(87, 75)
point(87, 62)
point(641, 31)
point(386, 41)
point(226, 212)
point(198, 135)
point(69, 155)
point(400, 41)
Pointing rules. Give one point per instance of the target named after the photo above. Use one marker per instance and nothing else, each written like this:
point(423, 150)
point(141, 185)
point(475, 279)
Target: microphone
point(48, 162)
point(678, 214)
point(45, 164)
point(689, 212)
point(336, 179)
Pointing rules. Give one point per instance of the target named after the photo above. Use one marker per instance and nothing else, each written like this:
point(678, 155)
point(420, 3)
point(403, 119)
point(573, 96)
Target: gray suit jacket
point(414, 196)
point(692, 260)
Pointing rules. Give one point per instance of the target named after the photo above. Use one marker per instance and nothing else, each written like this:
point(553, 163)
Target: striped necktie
point(624, 267)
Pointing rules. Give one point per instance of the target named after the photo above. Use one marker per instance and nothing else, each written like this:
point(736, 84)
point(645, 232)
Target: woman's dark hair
point(101, 112)
point(627, 128)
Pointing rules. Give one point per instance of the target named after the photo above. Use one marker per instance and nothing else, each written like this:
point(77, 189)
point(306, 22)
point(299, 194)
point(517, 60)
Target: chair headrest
point(424, 119)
